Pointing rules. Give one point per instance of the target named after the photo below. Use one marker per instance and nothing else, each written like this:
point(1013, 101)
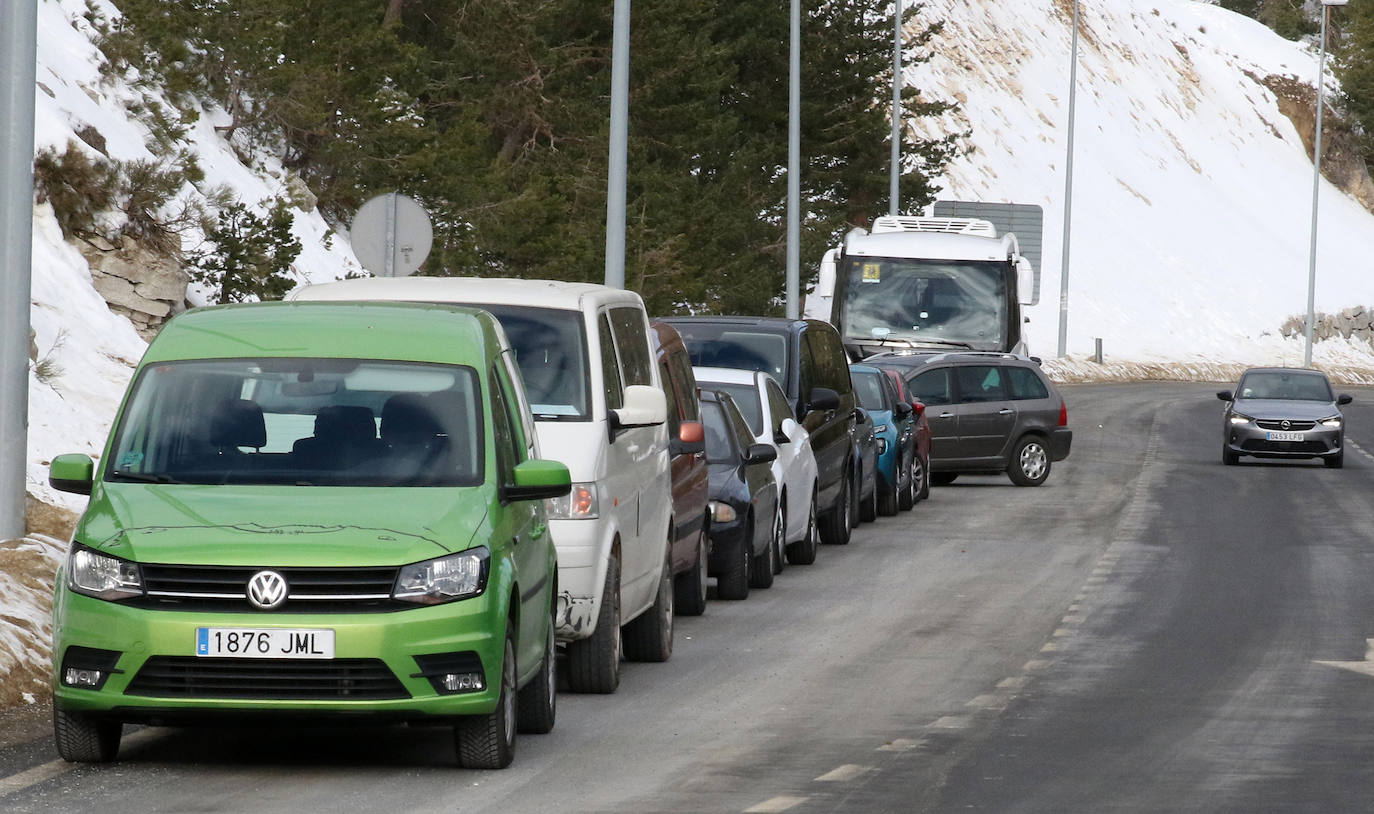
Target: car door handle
point(945, 415)
point(1005, 411)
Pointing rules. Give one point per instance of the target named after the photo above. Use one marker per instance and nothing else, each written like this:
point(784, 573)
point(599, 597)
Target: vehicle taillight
point(1063, 414)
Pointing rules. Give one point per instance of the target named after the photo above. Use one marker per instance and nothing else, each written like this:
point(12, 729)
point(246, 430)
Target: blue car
point(878, 396)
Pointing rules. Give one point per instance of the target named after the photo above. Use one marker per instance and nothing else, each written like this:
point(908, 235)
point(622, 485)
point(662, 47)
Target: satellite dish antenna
point(391, 235)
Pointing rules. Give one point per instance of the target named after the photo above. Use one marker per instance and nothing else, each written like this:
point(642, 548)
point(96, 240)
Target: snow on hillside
point(1192, 192)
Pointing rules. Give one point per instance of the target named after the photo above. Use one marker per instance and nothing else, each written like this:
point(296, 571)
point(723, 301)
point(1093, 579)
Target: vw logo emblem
point(1287, 425)
point(267, 590)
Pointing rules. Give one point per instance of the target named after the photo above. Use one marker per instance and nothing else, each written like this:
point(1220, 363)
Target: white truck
point(926, 282)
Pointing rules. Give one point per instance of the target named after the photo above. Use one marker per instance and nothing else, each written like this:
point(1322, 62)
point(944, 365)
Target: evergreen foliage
point(494, 115)
point(252, 255)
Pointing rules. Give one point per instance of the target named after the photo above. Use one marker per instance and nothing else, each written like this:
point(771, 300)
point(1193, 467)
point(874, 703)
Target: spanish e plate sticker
point(872, 273)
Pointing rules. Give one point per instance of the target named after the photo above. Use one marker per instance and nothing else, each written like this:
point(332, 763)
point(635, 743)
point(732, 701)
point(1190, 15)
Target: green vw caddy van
point(313, 509)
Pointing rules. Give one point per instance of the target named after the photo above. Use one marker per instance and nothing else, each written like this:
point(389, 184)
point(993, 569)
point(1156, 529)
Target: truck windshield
point(304, 422)
point(942, 301)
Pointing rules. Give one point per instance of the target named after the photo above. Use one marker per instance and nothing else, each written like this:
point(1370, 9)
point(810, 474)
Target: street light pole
point(894, 197)
point(794, 166)
point(18, 55)
point(1316, 186)
point(1068, 196)
point(616, 169)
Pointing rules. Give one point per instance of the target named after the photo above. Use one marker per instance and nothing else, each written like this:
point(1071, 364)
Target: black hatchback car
point(988, 412)
point(1283, 412)
point(807, 358)
point(746, 519)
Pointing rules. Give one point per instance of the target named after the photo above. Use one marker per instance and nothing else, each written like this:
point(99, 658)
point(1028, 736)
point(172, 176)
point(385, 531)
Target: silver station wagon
point(1283, 412)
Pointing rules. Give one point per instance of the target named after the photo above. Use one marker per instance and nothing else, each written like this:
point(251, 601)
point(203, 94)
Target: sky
point(1191, 206)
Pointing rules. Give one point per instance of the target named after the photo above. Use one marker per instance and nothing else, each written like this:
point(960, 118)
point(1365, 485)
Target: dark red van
point(687, 448)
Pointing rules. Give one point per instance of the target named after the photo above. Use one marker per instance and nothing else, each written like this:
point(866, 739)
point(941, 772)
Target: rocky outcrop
point(1350, 323)
point(146, 286)
point(1342, 163)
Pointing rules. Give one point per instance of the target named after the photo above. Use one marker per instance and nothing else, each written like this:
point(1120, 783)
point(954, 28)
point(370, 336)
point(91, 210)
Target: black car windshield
point(308, 422)
point(869, 388)
point(1285, 384)
point(735, 346)
point(945, 301)
point(746, 398)
point(718, 447)
point(552, 355)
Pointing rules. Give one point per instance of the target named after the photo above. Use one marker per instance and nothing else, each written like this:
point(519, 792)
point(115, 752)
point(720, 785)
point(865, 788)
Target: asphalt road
point(1148, 631)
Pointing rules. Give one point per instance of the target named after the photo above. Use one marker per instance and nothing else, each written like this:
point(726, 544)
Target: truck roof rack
point(957, 226)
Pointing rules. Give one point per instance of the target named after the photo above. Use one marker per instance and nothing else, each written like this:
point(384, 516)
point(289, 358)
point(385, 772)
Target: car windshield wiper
point(138, 477)
point(952, 343)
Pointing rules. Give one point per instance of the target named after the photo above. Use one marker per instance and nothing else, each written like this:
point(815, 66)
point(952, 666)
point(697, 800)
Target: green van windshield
point(308, 422)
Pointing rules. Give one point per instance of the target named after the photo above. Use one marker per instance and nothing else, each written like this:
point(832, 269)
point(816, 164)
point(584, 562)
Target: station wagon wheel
point(906, 497)
point(839, 520)
point(691, 585)
point(761, 571)
point(1030, 462)
point(488, 741)
point(649, 637)
point(803, 552)
point(780, 540)
point(83, 739)
point(733, 583)
point(924, 492)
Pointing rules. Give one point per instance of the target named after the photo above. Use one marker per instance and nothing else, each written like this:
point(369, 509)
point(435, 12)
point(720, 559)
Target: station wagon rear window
point(306, 422)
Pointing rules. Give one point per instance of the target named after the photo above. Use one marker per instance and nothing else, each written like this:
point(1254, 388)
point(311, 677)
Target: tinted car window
point(675, 400)
point(869, 388)
point(747, 399)
point(777, 402)
point(831, 359)
point(978, 383)
point(718, 448)
point(610, 369)
point(683, 379)
point(1025, 384)
point(636, 360)
point(932, 386)
point(552, 356)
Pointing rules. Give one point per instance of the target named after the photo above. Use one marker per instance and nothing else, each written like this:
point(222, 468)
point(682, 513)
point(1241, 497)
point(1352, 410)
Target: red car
point(919, 431)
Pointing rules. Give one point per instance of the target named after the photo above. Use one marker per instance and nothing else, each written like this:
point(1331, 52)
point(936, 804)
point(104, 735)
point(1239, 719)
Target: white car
point(584, 354)
point(764, 406)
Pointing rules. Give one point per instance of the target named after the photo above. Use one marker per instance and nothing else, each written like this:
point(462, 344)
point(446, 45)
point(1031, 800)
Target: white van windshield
point(949, 302)
point(305, 422)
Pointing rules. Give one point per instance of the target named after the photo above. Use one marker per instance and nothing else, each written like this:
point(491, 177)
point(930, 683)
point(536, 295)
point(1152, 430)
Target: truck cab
point(920, 282)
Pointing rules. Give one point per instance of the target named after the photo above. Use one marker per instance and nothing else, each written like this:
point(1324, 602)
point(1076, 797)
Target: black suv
point(988, 412)
point(808, 360)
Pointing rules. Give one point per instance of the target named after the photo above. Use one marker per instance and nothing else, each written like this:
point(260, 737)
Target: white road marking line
point(951, 722)
point(848, 771)
point(56, 768)
point(1017, 683)
point(990, 701)
point(1061, 632)
point(899, 745)
point(776, 804)
point(1049, 647)
point(34, 776)
point(1036, 664)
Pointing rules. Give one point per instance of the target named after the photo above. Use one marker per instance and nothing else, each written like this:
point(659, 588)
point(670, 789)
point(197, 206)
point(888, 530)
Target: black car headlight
point(445, 579)
point(104, 577)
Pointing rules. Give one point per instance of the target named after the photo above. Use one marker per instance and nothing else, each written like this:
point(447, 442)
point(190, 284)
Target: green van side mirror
point(72, 473)
point(538, 479)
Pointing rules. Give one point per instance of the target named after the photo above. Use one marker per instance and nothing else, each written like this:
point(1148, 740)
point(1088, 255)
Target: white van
point(584, 354)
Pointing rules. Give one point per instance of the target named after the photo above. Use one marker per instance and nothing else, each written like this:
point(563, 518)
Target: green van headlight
point(103, 576)
point(457, 576)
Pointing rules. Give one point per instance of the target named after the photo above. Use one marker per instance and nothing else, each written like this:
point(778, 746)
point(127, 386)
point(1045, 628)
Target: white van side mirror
point(645, 406)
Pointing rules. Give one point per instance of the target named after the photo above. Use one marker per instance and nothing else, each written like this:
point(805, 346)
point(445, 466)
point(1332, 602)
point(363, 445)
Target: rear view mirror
point(72, 473)
point(919, 408)
point(645, 406)
point(860, 415)
point(760, 454)
point(1344, 398)
point(691, 439)
point(902, 410)
point(537, 479)
point(823, 398)
point(787, 431)
point(1225, 395)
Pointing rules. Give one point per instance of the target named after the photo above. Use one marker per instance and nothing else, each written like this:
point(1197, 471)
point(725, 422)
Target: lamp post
point(794, 165)
point(1068, 196)
point(1316, 185)
point(18, 56)
point(894, 197)
point(616, 170)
